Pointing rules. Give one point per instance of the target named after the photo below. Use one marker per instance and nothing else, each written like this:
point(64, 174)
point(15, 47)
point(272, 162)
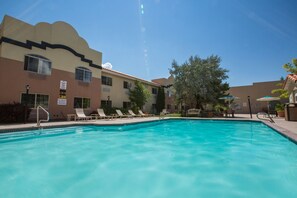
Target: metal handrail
point(39, 121)
point(266, 115)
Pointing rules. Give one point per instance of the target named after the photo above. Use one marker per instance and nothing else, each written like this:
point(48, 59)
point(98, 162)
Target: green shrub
point(280, 107)
point(112, 110)
point(13, 113)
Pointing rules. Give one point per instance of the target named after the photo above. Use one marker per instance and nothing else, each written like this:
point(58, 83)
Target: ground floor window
point(82, 102)
point(154, 108)
point(169, 106)
point(34, 100)
point(126, 105)
point(106, 103)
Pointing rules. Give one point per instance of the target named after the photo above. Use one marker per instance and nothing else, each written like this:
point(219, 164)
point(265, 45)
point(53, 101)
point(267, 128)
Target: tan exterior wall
point(61, 59)
point(170, 103)
point(13, 79)
point(118, 94)
point(255, 91)
point(56, 33)
point(65, 49)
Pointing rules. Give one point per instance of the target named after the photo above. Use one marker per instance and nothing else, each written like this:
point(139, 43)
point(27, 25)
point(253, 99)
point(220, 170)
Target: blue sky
point(254, 38)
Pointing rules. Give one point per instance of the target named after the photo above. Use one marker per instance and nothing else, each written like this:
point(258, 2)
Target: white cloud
point(107, 65)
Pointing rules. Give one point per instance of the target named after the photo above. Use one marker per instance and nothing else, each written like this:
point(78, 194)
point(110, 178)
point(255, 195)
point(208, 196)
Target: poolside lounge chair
point(121, 115)
point(193, 112)
point(143, 114)
point(229, 113)
point(80, 115)
point(102, 114)
point(164, 112)
point(133, 114)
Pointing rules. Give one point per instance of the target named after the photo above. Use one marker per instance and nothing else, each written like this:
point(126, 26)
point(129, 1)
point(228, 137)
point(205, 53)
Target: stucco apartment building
point(59, 69)
point(115, 90)
point(255, 91)
point(167, 84)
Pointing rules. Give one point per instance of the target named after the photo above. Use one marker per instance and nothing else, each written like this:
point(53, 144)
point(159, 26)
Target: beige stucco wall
point(56, 33)
point(13, 77)
point(61, 59)
point(170, 103)
point(118, 94)
point(255, 91)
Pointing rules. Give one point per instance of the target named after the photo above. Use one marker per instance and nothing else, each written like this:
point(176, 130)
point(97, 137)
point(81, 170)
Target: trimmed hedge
point(13, 113)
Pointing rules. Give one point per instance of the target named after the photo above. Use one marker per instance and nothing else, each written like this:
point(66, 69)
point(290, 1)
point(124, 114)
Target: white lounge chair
point(133, 114)
point(164, 112)
point(102, 114)
point(193, 112)
point(121, 115)
point(80, 115)
point(143, 114)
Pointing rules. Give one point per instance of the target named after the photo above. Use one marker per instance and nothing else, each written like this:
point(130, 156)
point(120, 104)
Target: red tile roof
point(292, 77)
point(290, 80)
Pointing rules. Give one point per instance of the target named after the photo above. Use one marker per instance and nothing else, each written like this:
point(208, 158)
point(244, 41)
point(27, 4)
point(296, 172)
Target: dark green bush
point(13, 113)
point(112, 110)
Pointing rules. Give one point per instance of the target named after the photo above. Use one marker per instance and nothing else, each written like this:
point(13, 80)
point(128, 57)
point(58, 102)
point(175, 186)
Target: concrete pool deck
point(287, 128)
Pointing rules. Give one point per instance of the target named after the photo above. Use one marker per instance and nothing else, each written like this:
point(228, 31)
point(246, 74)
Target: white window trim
point(35, 99)
point(84, 74)
point(39, 65)
point(82, 101)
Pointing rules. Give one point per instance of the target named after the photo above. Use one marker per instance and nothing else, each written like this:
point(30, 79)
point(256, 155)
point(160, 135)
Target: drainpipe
point(26, 103)
point(250, 107)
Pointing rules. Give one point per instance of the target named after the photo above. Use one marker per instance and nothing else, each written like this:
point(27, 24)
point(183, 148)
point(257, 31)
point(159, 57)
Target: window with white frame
point(106, 80)
point(83, 74)
point(154, 90)
point(127, 85)
point(34, 100)
point(82, 102)
point(38, 64)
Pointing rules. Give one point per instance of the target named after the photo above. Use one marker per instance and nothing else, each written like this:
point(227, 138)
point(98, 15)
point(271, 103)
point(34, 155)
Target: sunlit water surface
point(183, 158)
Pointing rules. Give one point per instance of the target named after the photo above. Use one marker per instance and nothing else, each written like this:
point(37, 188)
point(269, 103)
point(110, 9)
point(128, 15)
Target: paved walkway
point(280, 123)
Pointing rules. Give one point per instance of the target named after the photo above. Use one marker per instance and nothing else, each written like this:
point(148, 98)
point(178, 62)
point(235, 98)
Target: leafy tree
point(160, 102)
point(139, 95)
point(291, 67)
point(282, 93)
point(199, 81)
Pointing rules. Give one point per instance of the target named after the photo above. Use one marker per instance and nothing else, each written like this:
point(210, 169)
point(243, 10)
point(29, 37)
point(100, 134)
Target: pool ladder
point(38, 120)
point(266, 117)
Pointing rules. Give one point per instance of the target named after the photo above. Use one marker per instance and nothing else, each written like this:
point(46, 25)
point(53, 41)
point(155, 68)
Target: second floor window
point(154, 90)
point(83, 74)
point(38, 64)
point(126, 85)
point(106, 80)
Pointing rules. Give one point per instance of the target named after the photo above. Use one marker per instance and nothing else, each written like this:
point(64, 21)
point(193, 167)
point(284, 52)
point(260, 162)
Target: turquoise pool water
point(183, 158)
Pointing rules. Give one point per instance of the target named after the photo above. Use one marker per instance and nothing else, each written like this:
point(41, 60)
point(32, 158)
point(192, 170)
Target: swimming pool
point(171, 158)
